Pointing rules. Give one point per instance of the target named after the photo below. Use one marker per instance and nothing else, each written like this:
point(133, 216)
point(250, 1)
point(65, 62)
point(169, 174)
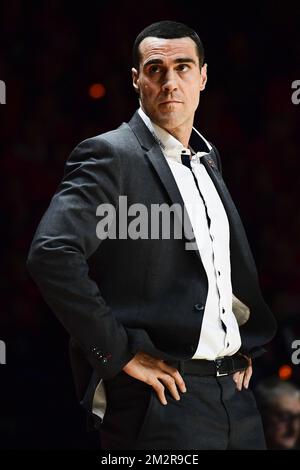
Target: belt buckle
point(218, 365)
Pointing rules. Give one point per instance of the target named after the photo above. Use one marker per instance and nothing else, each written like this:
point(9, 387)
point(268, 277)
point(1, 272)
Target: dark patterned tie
point(185, 159)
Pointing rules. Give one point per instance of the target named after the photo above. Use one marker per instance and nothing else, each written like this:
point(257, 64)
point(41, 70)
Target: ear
point(203, 74)
point(135, 79)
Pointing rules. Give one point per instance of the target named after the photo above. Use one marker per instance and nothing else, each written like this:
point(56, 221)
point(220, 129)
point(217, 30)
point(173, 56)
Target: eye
point(154, 69)
point(183, 67)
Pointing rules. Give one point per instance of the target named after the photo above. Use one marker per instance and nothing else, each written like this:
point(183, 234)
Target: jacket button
point(104, 361)
point(199, 307)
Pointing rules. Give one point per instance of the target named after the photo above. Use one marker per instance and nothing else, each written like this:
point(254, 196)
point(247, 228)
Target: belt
point(219, 367)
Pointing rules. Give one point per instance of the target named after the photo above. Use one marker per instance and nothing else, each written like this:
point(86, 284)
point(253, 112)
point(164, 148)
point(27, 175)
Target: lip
point(170, 102)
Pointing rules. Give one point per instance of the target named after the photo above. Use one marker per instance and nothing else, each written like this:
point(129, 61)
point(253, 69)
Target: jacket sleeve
point(65, 239)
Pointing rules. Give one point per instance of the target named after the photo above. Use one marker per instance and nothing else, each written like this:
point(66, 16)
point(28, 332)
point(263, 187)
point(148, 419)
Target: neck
point(182, 133)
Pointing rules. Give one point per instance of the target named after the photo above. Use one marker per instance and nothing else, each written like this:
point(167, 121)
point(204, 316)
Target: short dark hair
point(167, 30)
point(268, 390)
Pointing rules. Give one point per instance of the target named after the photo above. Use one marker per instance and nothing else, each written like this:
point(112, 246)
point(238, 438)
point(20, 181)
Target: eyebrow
point(180, 60)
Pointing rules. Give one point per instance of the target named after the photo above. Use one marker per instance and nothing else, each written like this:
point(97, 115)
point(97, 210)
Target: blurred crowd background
point(51, 55)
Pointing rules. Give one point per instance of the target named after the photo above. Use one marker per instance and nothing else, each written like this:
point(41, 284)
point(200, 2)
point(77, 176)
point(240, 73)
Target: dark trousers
point(212, 414)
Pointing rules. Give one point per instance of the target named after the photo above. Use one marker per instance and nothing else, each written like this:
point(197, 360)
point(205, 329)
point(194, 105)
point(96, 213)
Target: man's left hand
point(242, 378)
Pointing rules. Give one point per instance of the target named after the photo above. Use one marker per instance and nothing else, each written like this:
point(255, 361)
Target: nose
point(169, 82)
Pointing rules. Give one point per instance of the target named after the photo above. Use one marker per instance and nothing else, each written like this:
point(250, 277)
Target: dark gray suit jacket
point(118, 297)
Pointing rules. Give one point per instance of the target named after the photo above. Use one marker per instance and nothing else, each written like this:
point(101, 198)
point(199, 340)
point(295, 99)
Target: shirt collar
point(171, 146)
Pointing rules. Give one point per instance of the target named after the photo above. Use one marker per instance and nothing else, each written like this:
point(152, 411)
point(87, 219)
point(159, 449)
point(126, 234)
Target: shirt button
point(228, 344)
point(219, 273)
point(223, 310)
point(199, 307)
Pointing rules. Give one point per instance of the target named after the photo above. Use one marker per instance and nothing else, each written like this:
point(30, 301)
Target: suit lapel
point(157, 159)
point(239, 246)
point(215, 175)
point(238, 239)
point(162, 169)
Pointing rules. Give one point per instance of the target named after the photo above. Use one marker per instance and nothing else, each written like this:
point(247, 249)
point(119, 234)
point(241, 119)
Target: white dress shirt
point(219, 334)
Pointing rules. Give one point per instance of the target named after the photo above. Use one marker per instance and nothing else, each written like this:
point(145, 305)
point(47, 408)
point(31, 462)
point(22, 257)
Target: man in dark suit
point(165, 319)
